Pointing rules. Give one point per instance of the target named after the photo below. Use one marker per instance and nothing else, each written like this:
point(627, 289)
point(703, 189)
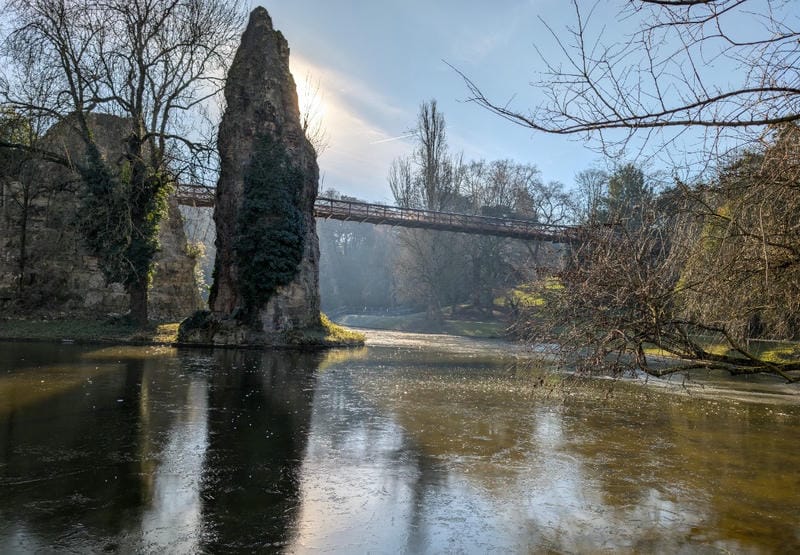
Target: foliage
point(14, 128)
point(149, 206)
point(337, 333)
point(120, 224)
point(690, 280)
point(628, 196)
point(271, 227)
point(105, 224)
point(151, 63)
point(529, 294)
point(324, 334)
point(746, 250)
point(196, 250)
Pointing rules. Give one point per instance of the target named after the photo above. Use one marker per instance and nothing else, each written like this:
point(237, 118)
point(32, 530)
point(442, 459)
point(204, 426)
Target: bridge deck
point(197, 195)
point(444, 221)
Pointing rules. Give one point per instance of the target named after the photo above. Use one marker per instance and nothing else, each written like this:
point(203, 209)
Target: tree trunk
point(137, 291)
point(23, 244)
point(140, 194)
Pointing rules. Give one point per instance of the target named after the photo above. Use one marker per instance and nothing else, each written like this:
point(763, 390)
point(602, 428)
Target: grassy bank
point(767, 350)
point(84, 330)
point(121, 331)
point(328, 334)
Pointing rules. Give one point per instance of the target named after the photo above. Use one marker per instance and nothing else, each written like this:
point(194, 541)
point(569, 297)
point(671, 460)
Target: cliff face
point(60, 277)
point(262, 101)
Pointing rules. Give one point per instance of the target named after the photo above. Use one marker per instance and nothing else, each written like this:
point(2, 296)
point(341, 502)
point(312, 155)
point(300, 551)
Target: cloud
point(364, 131)
point(483, 36)
point(390, 139)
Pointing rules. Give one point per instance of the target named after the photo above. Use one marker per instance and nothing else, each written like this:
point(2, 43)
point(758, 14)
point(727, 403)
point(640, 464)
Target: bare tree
point(713, 262)
point(438, 171)
point(402, 184)
point(16, 199)
point(311, 118)
point(676, 69)
point(705, 270)
point(592, 185)
point(743, 271)
point(154, 63)
point(30, 200)
point(431, 179)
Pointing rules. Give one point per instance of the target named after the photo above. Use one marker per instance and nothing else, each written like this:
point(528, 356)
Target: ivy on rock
point(271, 227)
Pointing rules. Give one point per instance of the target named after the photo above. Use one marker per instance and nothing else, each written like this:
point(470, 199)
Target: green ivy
point(271, 229)
point(120, 220)
point(149, 207)
point(105, 218)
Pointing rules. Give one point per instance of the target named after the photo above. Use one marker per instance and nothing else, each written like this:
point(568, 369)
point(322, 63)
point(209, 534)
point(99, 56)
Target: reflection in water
point(257, 436)
point(405, 454)
point(152, 453)
point(392, 448)
point(171, 475)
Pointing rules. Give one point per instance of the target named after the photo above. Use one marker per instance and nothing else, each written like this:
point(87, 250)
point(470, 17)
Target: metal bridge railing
point(347, 210)
point(201, 196)
point(446, 221)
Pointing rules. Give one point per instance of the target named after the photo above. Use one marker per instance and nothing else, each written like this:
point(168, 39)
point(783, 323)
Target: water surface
point(416, 444)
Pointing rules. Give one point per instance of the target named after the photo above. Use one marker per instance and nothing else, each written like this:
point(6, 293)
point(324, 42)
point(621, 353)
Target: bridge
point(347, 210)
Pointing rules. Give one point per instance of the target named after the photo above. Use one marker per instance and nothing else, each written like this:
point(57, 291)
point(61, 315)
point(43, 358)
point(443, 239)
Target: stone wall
point(60, 277)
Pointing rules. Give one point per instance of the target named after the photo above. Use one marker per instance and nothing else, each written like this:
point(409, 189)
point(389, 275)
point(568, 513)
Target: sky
point(375, 62)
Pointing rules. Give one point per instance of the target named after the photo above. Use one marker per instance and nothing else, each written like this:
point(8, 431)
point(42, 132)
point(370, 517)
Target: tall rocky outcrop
point(262, 109)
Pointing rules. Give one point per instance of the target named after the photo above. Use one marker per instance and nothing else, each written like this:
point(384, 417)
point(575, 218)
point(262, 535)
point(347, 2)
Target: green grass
point(528, 295)
point(83, 330)
point(469, 328)
point(524, 296)
point(328, 334)
point(769, 351)
point(336, 333)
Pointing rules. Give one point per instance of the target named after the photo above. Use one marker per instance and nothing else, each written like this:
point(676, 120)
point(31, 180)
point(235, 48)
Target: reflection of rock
point(61, 276)
point(261, 101)
point(260, 411)
point(191, 455)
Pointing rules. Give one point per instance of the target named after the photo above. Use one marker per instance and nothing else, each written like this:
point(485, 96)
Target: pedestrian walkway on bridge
point(348, 210)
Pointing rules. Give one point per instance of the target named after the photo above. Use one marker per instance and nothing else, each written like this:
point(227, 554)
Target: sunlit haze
point(374, 63)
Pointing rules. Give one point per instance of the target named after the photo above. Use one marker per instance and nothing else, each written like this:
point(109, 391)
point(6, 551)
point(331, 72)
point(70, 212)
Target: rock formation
point(60, 277)
point(261, 106)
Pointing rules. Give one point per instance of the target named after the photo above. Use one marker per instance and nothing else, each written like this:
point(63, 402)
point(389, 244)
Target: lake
point(419, 444)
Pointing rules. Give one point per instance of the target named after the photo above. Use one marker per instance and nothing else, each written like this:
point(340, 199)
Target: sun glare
point(311, 100)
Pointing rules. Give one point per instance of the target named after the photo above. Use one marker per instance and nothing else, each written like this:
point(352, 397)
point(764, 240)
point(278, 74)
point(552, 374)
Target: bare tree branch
point(663, 74)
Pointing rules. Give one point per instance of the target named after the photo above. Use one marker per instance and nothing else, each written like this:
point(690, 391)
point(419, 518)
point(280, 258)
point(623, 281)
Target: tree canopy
point(155, 63)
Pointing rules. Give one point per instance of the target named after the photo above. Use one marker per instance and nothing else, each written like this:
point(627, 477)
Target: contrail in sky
point(390, 139)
